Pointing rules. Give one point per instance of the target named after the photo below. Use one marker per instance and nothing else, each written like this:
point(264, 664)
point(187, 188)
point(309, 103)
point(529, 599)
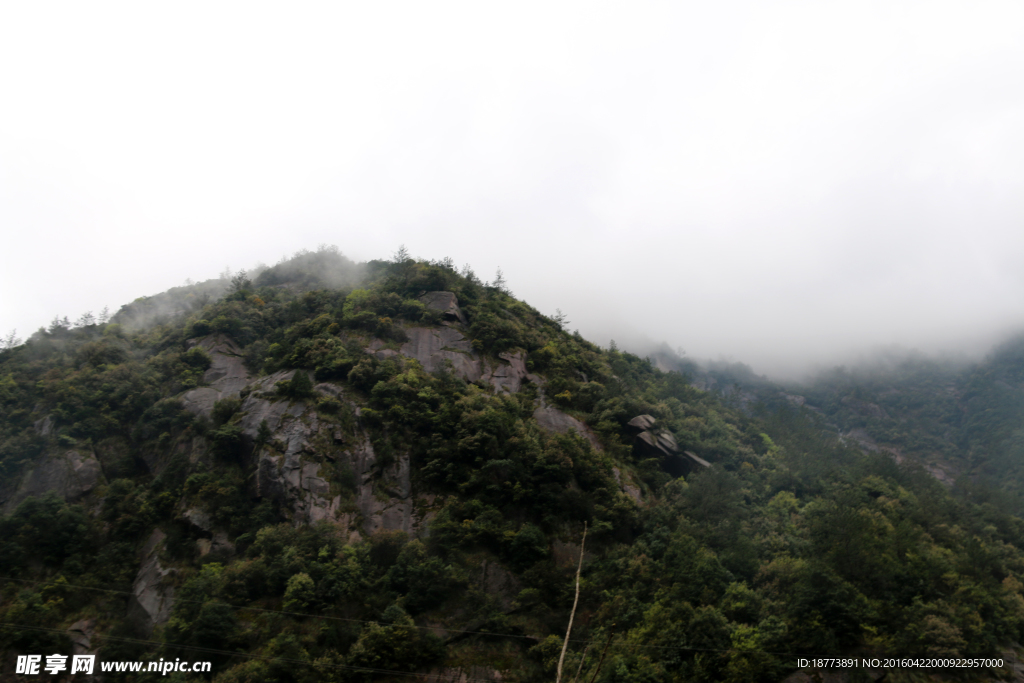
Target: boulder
point(698, 460)
point(641, 422)
point(446, 302)
point(200, 519)
point(667, 442)
point(660, 443)
point(657, 442)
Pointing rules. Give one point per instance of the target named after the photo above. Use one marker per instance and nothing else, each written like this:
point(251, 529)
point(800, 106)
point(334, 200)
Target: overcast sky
point(773, 182)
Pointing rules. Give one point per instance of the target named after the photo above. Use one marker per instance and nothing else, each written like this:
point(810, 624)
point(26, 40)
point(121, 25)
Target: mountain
point(330, 471)
point(963, 421)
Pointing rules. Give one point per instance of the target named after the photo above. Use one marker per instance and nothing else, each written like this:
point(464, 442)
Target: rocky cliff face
point(71, 475)
point(320, 466)
point(225, 378)
point(152, 591)
point(323, 467)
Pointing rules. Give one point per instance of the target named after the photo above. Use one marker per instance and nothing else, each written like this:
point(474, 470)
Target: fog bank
point(785, 184)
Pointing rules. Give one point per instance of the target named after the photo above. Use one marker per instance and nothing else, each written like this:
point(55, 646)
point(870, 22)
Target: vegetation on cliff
point(794, 542)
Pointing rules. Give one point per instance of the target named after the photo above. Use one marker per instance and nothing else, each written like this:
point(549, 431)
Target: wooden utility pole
point(565, 644)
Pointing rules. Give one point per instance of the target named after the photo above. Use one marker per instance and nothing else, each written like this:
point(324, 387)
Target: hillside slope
point(371, 472)
point(964, 422)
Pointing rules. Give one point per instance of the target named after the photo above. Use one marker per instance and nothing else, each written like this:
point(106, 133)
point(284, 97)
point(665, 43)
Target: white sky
point(773, 182)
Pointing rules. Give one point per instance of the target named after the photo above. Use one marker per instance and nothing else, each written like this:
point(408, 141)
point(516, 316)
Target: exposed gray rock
point(377, 350)
point(328, 388)
point(311, 481)
point(44, 427)
point(198, 518)
point(661, 443)
point(649, 440)
point(152, 596)
point(71, 476)
point(255, 408)
point(667, 441)
point(536, 379)
point(554, 420)
point(700, 461)
point(658, 441)
point(80, 634)
point(626, 486)
point(433, 346)
point(446, 302)
point(941, 472)
point(226, 376)
point(642, 422)
point(861, 438)
point(291, 469)
point(219, 544)
point(388, 506)
point(507, 377)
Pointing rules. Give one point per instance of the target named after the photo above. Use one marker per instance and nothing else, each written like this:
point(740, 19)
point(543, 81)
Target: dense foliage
point(793, 543)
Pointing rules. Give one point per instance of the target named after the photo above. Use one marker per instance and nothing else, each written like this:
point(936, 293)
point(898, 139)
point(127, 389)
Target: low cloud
point(785, 184)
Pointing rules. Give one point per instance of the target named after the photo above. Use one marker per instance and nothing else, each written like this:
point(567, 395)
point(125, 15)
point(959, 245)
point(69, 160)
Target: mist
point(787, 185)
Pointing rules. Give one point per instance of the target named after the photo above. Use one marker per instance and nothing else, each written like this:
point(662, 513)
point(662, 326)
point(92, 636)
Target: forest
point(356, 508)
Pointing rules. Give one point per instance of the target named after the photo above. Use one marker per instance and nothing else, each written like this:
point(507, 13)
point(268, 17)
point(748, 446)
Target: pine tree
point(10, 341)
point(301, 386)
point(500, 284)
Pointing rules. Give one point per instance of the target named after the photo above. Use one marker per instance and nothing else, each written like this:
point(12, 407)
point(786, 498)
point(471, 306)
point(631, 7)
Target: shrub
point(298, 595)
point(298, 387)
point(224, 409)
